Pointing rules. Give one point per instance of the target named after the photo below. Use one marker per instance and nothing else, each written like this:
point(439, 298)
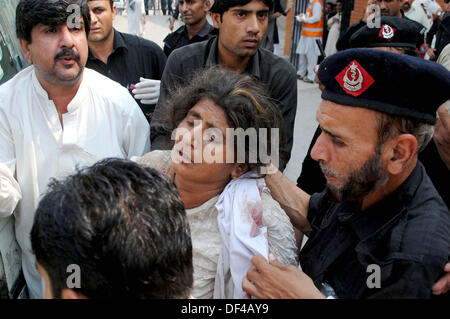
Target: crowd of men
point(373, 187)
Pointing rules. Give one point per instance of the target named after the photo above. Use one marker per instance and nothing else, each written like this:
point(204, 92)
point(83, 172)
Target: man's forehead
point(252, 3)
point(340, 116)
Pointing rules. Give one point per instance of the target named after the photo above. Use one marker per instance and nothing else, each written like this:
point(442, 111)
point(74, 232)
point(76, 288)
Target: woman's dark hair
point(125, 227)
point(245, 103)
point(30, 13)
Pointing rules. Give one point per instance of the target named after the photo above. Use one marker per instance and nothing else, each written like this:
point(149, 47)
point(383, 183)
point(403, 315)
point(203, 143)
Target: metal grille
point(299, 7)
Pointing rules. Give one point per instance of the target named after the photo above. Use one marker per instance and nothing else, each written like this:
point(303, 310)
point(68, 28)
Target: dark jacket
point(179, 38)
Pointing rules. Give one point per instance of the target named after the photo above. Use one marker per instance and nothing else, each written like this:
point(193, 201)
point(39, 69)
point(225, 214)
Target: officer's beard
point(368, 178)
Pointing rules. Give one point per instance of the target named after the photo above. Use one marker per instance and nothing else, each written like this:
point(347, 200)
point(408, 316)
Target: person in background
point(132, 61)
point(56, 115)
point(195, 29)
point(441, 30)
point(387, 8)
point(334, 27)
point(136, 17)
point(307, 49)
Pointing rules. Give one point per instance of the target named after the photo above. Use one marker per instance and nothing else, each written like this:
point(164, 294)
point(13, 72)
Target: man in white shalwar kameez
point(56, 115)
point(136, 17)
point(307, 49)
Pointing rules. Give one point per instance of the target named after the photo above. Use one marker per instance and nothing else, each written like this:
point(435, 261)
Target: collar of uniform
point(383, 214)
point(252, 66)
point(118, 42)
point(205, 30)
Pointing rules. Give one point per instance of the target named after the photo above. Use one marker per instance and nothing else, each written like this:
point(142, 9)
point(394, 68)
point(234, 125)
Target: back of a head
point(123, 225)
point(30, 13)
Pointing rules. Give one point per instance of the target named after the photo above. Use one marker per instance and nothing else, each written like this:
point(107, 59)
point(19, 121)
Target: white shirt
point(417, 14)
point(135, 25)
point(103, 120)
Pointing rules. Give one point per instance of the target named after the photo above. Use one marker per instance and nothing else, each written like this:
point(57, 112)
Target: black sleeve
point(344, 39)
point(317, 207)
point(311, 179)
point(432, 32)
point(161, 125)
point(284, 91)
point(409, 279)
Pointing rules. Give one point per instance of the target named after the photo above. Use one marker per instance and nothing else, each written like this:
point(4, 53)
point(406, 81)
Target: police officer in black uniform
point(396, 35)
point(195, 29)
point(380, 229)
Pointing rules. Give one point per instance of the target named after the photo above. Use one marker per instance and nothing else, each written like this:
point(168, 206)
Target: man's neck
point(102, 50)
point(194, 194)
point(228, 60)
point(193, 29)
point(61, 95)
point(392, 184)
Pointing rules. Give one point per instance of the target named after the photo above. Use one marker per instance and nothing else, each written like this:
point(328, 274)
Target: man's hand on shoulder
point(147, 91)
point(278, 281)
point(442, 286)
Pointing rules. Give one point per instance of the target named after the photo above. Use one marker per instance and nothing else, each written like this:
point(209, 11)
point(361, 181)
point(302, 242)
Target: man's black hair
point(221, 6)
point(111, 3)
point(125, 227)
point(30, 13)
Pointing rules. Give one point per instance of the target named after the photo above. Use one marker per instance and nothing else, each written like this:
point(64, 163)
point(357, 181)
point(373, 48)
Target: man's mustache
point(67, 53)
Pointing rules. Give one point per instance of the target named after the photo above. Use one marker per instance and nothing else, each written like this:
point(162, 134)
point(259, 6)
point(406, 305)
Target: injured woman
point(227, 129)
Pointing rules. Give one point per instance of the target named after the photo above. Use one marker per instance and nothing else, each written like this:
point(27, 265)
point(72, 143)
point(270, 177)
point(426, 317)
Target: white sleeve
point(10, 193)
point(317, 13)
point(137, 132)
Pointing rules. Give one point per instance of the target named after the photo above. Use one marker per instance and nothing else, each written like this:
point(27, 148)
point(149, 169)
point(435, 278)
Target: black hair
point(244, 100)
point(221, 6)
point(111, 3)
point(30, 13)
point(125, 227)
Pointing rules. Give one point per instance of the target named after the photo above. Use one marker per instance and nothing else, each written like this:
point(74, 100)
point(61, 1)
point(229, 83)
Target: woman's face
point(200, 150)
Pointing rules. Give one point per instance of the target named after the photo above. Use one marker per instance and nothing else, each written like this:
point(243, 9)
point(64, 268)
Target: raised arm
point(292, 199)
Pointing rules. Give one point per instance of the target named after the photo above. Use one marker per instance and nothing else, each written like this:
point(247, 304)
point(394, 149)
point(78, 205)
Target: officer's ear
point(398, 153)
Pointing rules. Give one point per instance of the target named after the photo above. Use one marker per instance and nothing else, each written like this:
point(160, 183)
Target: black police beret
point(393, 32)
point(395, 84)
